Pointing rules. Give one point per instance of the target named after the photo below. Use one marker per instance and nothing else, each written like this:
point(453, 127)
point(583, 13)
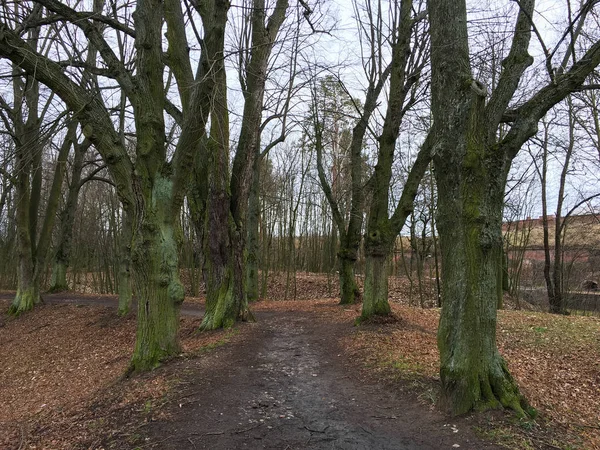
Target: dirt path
point(284, 383)
point(286, 386)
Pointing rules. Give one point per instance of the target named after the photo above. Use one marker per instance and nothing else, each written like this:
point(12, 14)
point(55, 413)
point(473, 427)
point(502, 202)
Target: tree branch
point(514, 66)
point(88, 110)
point(526, 117)
point(81, 20)
point(405, 204)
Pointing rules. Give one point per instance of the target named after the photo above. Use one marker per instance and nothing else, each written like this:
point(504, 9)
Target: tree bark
point(375, 302)
point(252, 261)
point(124, 276)
point(349, 292)
point(226, 300)
point(381, 229)
point(470, 196)
point(470, 177)
point(156, 279)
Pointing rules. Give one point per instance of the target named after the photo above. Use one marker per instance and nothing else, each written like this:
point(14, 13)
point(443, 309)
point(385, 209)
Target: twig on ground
point(22, 443)
point(582, 425)
point(317, 431)
point(248, 429)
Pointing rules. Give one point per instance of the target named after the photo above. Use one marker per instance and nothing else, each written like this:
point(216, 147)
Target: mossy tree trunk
point(375, 302)
point(154, 249)
point(124, 275)
point(470, 200)
point(381, 229)
point(33, 241)
point(156, 278)
point(159, 186)
point(150, 186)
point(226, 301)
point(223, 303)
point(471, 168)
point(28, 150)
point(471, 171)
point(227, 205)
point(349, 229)
point(62, 257)
point(28, 292)
point(349, 292)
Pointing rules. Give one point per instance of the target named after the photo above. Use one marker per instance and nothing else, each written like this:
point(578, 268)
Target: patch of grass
point(148, 407)
point(504, 436)
point(404, 368)
point(428, 394)
point(216, 344)
point(96, 424)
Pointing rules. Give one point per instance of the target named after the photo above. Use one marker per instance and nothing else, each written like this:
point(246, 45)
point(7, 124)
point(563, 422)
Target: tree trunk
point(28, 292)
point(58, 279)
point(473, 374)
point(28, 288)
point(226, 300)
point(124, 276)
point(349, 292)
point(381, 230)
point(471, 175)
point(156, 279)
point(33, 246)
point(62, 257)
point(375, 301)
point(218, 264)
point(253, 241)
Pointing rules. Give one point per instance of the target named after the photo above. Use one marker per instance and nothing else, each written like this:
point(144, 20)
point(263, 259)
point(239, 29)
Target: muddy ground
point(288, 386)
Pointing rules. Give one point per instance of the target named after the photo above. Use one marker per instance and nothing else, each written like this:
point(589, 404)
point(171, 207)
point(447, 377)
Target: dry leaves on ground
point(555, 360)
point(61, 369)
point(60, 366)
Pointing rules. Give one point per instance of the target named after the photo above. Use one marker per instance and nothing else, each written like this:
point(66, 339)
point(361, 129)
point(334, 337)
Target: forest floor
point(302, 376)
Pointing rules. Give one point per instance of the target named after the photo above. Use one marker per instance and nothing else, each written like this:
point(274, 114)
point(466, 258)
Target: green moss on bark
point(58, 281)
point(375, 302)
point(25, 300)
point(349, 292)
point(156, 278)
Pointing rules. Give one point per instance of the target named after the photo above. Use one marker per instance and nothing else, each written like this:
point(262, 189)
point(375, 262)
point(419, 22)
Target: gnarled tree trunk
point(470, 176)
point(349, 292)
point(375, 301)
point(156, 277)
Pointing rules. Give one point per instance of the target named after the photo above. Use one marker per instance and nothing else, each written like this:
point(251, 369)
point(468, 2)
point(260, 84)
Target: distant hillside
point(582, 232)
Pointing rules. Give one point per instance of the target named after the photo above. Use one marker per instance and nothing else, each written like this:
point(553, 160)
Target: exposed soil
point(283, 382)
point(288, 386)
point(302, 376)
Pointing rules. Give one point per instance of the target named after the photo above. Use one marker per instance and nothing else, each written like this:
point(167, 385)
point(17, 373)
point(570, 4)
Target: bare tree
point(150, 187)
point(471, 164)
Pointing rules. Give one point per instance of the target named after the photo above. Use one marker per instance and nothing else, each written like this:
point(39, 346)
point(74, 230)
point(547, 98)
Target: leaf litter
point(61, 369)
